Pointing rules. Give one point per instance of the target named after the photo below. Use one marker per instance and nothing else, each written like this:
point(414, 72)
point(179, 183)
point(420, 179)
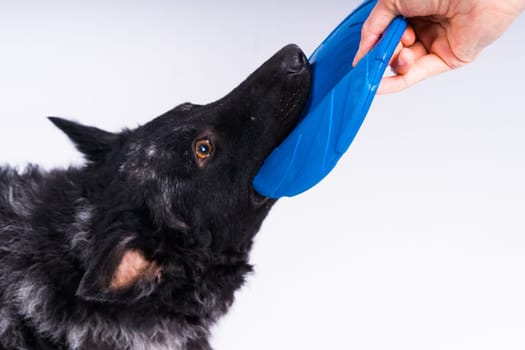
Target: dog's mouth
point(288, 122)
point(257, 199)
point(292, 118)
point(287, 99)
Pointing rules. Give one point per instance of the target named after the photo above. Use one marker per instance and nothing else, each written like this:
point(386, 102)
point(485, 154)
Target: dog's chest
point(159, 337)
point(139, 345)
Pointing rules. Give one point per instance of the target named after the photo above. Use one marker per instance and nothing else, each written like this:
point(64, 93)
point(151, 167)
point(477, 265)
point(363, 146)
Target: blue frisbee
point(340, 98)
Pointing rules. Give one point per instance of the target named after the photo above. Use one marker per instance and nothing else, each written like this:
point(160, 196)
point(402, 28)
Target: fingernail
point(356, 59)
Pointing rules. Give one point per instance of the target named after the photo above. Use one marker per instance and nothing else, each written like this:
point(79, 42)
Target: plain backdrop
point(415, 241)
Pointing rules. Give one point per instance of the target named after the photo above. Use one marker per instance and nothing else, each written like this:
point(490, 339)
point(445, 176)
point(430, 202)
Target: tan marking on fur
point(133, 267)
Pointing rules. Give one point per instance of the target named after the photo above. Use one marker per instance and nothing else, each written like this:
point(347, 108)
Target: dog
point(144, 245)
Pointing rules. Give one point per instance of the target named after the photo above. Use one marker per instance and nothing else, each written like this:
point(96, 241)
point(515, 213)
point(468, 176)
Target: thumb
point(378, 20)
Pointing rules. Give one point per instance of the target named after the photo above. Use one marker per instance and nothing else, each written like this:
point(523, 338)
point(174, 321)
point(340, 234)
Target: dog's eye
point(203, 149)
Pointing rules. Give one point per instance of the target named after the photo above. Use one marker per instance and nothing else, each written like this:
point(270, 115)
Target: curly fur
point(144, 246)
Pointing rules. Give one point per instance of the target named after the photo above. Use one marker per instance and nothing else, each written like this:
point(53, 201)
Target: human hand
point(441, 35)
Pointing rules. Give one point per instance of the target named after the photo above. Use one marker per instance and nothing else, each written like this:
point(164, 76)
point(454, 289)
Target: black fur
point(144, 246)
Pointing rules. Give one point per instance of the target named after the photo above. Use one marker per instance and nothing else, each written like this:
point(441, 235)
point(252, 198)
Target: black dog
point(144, 246)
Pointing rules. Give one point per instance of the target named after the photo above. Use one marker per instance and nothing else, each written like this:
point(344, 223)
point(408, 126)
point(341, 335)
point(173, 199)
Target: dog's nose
point(294, 60)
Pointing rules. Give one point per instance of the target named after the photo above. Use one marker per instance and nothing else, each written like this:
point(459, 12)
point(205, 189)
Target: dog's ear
point(124, 274)
point(94, 143)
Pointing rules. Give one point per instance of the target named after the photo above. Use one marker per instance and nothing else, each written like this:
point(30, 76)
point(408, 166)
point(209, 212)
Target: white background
point(415, 241)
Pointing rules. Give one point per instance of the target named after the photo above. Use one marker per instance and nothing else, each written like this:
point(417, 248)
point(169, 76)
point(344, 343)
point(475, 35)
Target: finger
point(427, 66)
point(395, 55)
point(403, 62)
point(418, 50)
point(408, 39)
point(406, 57)
point(374, 26)
point(409, 36)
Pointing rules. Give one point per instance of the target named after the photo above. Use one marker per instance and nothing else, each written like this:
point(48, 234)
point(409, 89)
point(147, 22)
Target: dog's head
point(174, 201)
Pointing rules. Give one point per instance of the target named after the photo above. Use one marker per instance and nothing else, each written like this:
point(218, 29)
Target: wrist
point(520, 5)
